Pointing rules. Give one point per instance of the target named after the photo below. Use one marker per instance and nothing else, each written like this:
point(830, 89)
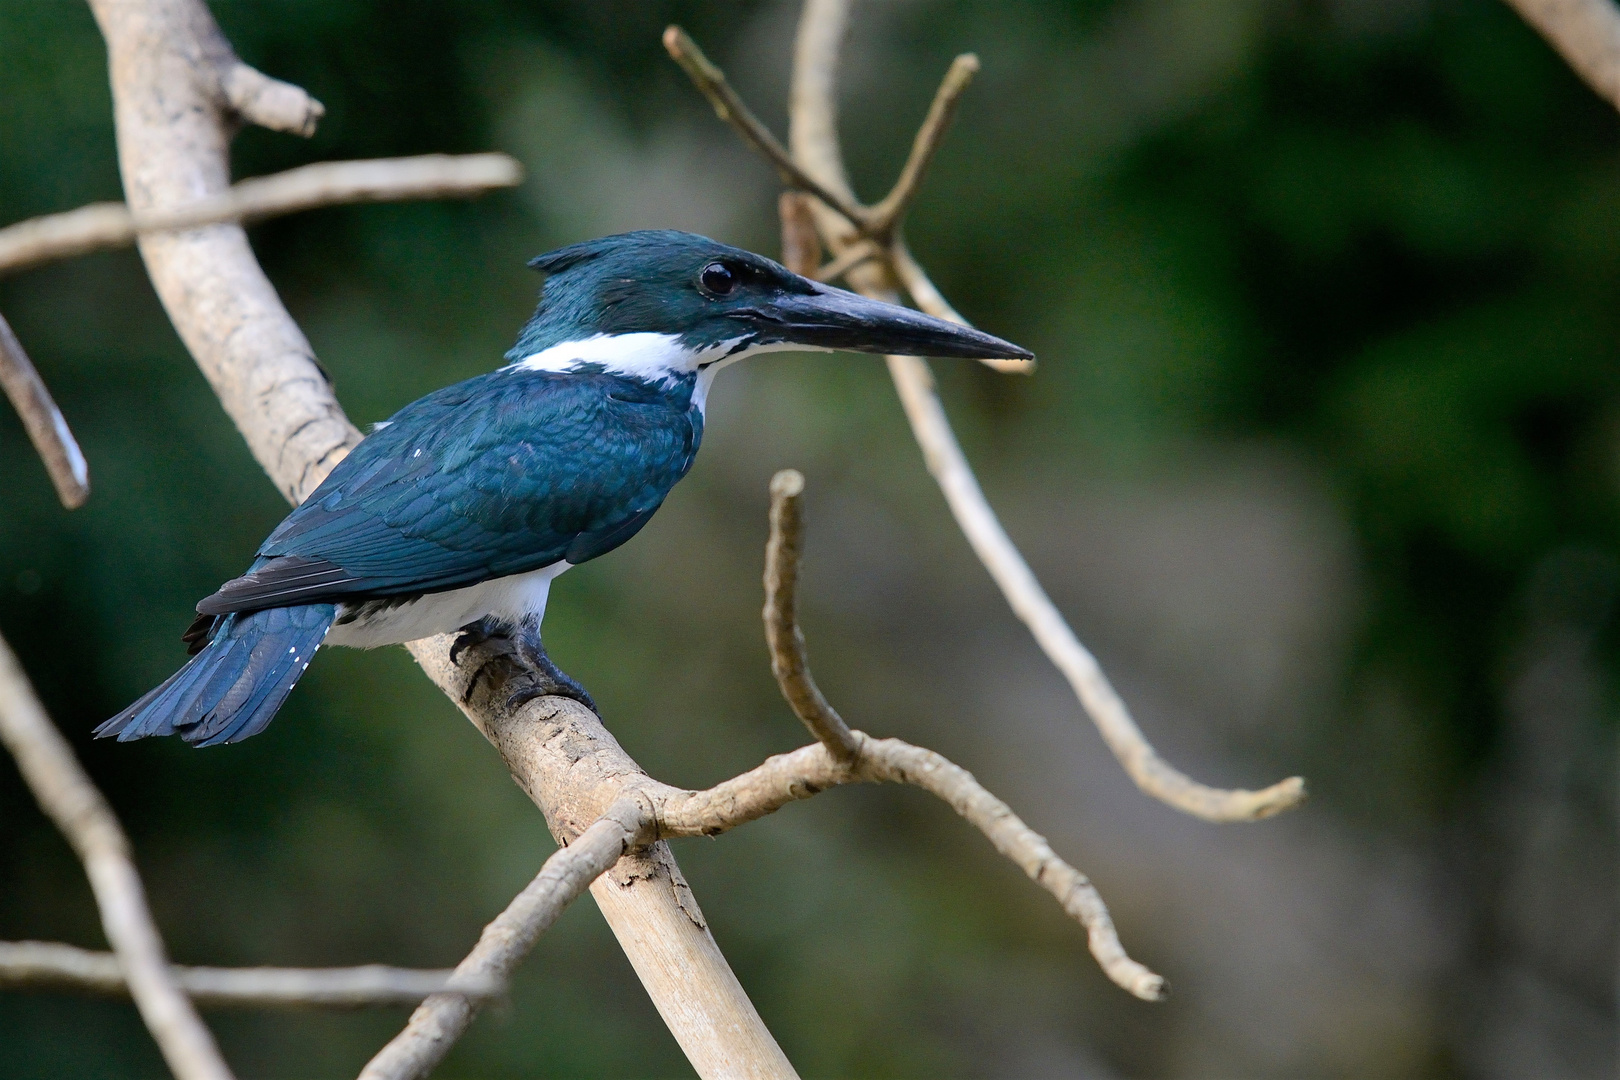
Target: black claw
point(547, 677)
point(474, 633)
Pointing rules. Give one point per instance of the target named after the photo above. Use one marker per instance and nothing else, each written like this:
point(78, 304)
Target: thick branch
point(49, 965)
point(1586, 33)
point(812, 100)
point(173, 145)
point(789, 662)
point(68, 797)
point(43, 421)
point(328, 183)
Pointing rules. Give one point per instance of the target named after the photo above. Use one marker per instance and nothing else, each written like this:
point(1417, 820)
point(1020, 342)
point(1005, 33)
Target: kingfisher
point(456, 514)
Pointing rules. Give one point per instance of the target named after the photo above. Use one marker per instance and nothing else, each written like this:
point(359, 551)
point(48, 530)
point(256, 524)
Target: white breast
point(509, 599)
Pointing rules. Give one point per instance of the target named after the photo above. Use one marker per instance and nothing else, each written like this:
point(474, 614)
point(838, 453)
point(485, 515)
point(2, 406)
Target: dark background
point(1322, 459)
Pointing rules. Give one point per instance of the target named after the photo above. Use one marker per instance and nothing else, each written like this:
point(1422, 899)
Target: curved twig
point(68, 797)
point(789, 663)
point(328, 183)
point(51, 965)
point(814, 141)
point(43, 421)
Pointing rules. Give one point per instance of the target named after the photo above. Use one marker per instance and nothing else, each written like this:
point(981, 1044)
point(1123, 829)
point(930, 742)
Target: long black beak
point(830, 318)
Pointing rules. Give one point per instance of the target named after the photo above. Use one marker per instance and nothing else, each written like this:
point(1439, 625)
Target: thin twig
point(887, 214)
point(440, 1020)
point(1586, 33)
point(327, 183)
point(730, 108)
point(789, 662)
point(68, 797)
point(812, 112)
point(43, 421)
point(51, 965)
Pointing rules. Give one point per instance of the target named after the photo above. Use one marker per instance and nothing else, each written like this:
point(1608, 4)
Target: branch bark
point(328, 183)
point(50, 965)
point(67, 796)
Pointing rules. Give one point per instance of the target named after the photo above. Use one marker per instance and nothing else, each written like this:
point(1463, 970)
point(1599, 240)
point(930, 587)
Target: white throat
point(659, 359)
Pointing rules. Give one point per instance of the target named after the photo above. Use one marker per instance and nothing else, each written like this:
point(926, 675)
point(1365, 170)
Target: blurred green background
point(1322, 460)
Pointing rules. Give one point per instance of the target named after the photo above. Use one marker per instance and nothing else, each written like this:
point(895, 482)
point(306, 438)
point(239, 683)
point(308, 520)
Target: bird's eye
point(718, 279)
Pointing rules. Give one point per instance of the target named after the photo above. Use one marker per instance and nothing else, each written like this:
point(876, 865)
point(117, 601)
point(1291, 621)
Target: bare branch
point(812, 109)
point(43, 421)
point(1586, 33)
point(789, 663)
point(801, 244)
point(887, 214)
point(440, 1020)
point(730, 108)
point(49, 965)
point(68, 797)
point(811, 770)
point(328, 183)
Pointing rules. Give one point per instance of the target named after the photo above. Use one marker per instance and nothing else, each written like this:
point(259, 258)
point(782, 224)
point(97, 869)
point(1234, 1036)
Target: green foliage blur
point(1321, 459)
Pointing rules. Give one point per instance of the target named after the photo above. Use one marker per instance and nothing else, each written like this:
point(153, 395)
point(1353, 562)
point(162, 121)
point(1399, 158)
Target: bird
point(457, 513)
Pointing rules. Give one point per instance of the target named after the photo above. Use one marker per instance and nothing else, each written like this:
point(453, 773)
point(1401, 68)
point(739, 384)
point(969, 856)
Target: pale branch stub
point(47, 430)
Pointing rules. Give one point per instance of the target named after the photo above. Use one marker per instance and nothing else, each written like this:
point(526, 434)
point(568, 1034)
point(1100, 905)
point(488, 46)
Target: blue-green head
point(662, 305)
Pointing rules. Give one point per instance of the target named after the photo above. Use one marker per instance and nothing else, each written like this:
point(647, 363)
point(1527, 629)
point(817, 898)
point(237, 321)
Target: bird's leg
point(548, 677)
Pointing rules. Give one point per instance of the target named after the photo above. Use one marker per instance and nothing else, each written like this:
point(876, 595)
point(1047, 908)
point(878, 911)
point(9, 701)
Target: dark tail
point(232, 688)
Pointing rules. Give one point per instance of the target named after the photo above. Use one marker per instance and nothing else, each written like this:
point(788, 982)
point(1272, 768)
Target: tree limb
point(70, 799)
point(43, 421)
point(327, 183)
point(50, 965)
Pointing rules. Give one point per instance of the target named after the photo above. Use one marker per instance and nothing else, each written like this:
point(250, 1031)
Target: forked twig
point(815, 144)
point(70, 799)
point(647, 810)
point(43, 421)
point(51, 965)
point(327, 183)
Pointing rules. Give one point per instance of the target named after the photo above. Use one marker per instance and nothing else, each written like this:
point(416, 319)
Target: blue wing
point(504, 473)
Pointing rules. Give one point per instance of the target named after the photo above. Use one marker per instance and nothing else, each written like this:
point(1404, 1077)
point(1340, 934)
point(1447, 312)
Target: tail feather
point(233, 686)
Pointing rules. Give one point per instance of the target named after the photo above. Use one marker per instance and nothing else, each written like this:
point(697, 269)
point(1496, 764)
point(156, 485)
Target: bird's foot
point(474, 633)
point(546, 678)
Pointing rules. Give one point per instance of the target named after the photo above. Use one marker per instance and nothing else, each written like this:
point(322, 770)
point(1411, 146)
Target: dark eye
point(718, 279)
